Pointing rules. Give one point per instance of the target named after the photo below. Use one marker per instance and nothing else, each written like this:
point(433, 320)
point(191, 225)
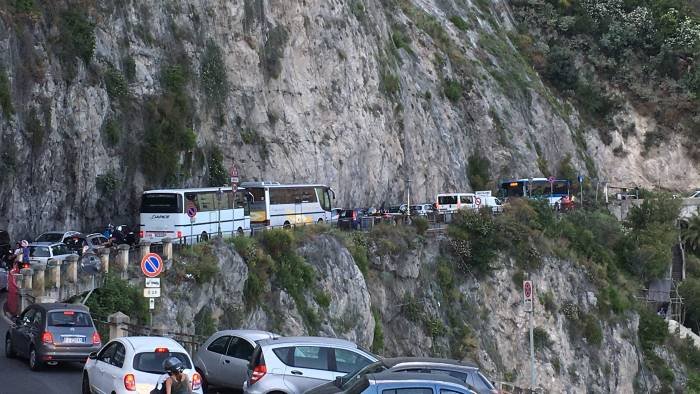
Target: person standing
point(25, 253)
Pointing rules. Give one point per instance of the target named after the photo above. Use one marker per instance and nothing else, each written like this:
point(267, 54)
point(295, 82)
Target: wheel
point(287, 225)
point(239, 231)
point(319, 221)
point(204, 237)
point(86, 385)
point(9, 351)
point(34, 363)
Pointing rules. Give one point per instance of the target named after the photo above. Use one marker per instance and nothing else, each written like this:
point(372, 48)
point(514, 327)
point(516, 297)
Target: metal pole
point(191, 234)
point(533, 376)
point(408, 197)
point(218, 210)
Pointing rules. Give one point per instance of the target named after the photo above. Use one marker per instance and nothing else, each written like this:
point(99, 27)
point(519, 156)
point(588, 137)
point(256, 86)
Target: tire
point(204, 237)
point(86, 385)
point(239, 232)
point(287, 225)
point(320, 221)
point(34, 363)
point(9, 351)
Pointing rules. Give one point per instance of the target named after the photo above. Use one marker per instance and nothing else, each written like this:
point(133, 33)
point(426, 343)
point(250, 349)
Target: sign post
point(233, 173)
point(477, 202)
point(192, 213)
point(151, 266)
point(527, 297)
point(551, 181)
point(580, 186)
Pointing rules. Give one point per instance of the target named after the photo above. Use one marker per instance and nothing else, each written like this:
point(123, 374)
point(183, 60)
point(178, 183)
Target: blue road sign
point(191, 212)
point(151, 265)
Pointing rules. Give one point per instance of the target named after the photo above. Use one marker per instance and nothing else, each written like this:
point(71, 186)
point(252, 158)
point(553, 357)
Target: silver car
point(223, 359)
point(296, 364)
point(41, 252)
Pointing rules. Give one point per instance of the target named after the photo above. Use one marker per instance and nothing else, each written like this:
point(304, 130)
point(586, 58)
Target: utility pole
point(408, 196)
point(527, 299)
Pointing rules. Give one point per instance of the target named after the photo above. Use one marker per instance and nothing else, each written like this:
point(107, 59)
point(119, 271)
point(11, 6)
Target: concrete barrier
point(123, 260)
point(104, 260)
point(72, 269)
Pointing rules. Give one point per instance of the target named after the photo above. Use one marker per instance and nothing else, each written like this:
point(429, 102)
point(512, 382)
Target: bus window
point(207, 201)
point(307, 194)
point(242, 202)
point(324, 198)
point(282, 196)
point(161, 203)
point(447, 200)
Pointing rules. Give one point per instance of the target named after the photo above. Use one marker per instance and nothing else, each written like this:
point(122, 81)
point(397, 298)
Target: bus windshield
point(161, 203)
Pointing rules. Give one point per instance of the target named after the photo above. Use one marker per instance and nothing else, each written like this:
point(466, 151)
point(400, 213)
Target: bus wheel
point(204, 237)
point(287, 225)
point(239, 231)
point(319, 221)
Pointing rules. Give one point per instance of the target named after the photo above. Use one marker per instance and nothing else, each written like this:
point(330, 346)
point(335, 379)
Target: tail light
point(437, 206)
point(47, 337)
point(196, 381)
point(96, 340)
point(141, 234)
point(258, 372)
point(267, 222)
point(354, 215)
point(129, 382)
point(179, 234)
point(26, 265)
point(162, 350)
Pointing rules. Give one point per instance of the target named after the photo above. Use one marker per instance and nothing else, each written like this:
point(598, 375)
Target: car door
point(99, 378)
point(20, 335)
point(211, 360)
point(306, 366)
point(112, 373)
point(344, 361)
point(233, 367)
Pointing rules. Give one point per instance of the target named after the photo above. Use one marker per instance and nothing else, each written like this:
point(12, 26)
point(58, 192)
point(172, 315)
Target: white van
point(493, 202)
point(450, 202)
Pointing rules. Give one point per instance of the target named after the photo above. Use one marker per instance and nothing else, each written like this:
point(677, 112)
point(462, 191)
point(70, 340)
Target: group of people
point(18, 257)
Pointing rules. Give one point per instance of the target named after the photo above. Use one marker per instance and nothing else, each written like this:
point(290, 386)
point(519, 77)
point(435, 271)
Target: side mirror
point(338, 381)
point(93, 356)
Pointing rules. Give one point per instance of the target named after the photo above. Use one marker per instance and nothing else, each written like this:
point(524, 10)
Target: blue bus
point(536, 188)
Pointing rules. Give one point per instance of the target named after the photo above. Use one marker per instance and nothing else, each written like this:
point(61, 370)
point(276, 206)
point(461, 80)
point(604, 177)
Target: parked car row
point(261, 362)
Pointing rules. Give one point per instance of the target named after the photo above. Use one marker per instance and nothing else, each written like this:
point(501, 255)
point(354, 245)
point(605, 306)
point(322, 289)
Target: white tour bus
point(274, 204)
point(450, 202)
point(164, 214)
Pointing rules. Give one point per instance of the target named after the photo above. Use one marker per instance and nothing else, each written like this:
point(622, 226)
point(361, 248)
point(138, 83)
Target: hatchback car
point(296, 364)
point(407, 383)
point(51, 333)
point(41, 252)
point(422, 209)
point(466, 373)
point(223, 359)
point(55, 236)
point(134, 364)
point(350, 219)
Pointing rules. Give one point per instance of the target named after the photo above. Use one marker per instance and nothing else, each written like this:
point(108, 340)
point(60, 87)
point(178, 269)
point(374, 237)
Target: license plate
point(159, 234)
point(73, 340)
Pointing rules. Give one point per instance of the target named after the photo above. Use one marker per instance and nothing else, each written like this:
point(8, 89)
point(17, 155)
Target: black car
point(52, 333)
point(465, 372)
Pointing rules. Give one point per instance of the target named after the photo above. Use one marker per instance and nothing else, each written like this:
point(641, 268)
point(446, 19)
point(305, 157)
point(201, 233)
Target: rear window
point(39, 251)
point(161, 203)
point(69, 319)
point(347, 213)
point(152, 362)
point(445, 200)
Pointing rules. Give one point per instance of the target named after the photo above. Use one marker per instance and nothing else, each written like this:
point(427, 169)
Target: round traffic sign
point(527, 288)
point(151, 265)
point(551, 179)
point(192, 212)
point(477, 201)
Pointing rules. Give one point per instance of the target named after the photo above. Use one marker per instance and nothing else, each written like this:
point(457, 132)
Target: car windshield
point(349, 379)
point(69, 319)
point(60, 250)
point(39, 251)
point(152, 362)
point(50, 237)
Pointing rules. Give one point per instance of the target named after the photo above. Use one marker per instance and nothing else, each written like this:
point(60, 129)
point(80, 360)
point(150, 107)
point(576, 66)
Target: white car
point(41, 252)
point(134, 365)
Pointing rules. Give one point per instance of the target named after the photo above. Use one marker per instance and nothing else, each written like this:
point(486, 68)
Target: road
point(18, 379)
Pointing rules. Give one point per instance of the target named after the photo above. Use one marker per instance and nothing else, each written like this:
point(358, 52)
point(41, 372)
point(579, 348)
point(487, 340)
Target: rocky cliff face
point(364, 93)
point(411, 302)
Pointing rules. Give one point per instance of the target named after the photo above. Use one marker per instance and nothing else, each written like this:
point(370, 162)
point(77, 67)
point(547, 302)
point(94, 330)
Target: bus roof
point(193, 190)
point(457, 193)
point(279, 185)
point(532, 179)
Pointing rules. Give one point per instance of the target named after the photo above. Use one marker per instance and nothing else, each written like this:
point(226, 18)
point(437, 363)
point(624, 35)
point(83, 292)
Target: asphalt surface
point(17, 378)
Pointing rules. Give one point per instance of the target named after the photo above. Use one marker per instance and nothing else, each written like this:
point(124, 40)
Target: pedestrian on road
point(177, 382)
point(25, 253)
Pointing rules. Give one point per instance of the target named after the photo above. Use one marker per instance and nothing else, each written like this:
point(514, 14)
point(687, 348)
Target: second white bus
point(278, 205)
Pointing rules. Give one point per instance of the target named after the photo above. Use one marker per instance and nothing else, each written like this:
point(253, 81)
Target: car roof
point(254, 335)
point(308, 340)
point(403, 376)
point(57, 305)
point(94, 235)
point(148, 344)
point(395, 361)
point(42, 243)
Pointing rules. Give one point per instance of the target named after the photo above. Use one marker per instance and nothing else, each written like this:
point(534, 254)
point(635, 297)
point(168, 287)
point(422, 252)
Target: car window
point(96, 241)
point(461, 376)
point(38, 317)
point(446, 200)
point(60, 249)
point(239, 348)
point(119, 353)
point(69, 319)
point(448, 391)
point(480, 381)
point(50, 237)
point(27, 316)
point(219, 345)
point(39, 251)
point(312, 357)
point(107, 353)
point(152, 362)
point(409, 390)
point(466, 199)
point(347, 361)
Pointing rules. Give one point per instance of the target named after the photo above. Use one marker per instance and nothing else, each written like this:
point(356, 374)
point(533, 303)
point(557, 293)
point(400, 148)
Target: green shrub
point(541, 339)
point(174, 78)
point(198, 261)
point(77, 35)
point(378, 338)
point(322, 299)
point(400, 39)
point(273, 51)
point(358, 249)
point(478, 172)
point(421, 225)
point(107, 183)
point(460, 23)
point(690, 291)
point(116, 295)
point(129, 67)
point(358, 9)
point(478, 230)
point(5, 95)
point(218, 176)
point(389, 83)
point(560, 70)
point(410, 308)
point(117, 88)
point(547, 300)
point(204, 324)
point(25, 6)
point(452, 90)
point(214, 79)
point(112, 132)
point(653, 330)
